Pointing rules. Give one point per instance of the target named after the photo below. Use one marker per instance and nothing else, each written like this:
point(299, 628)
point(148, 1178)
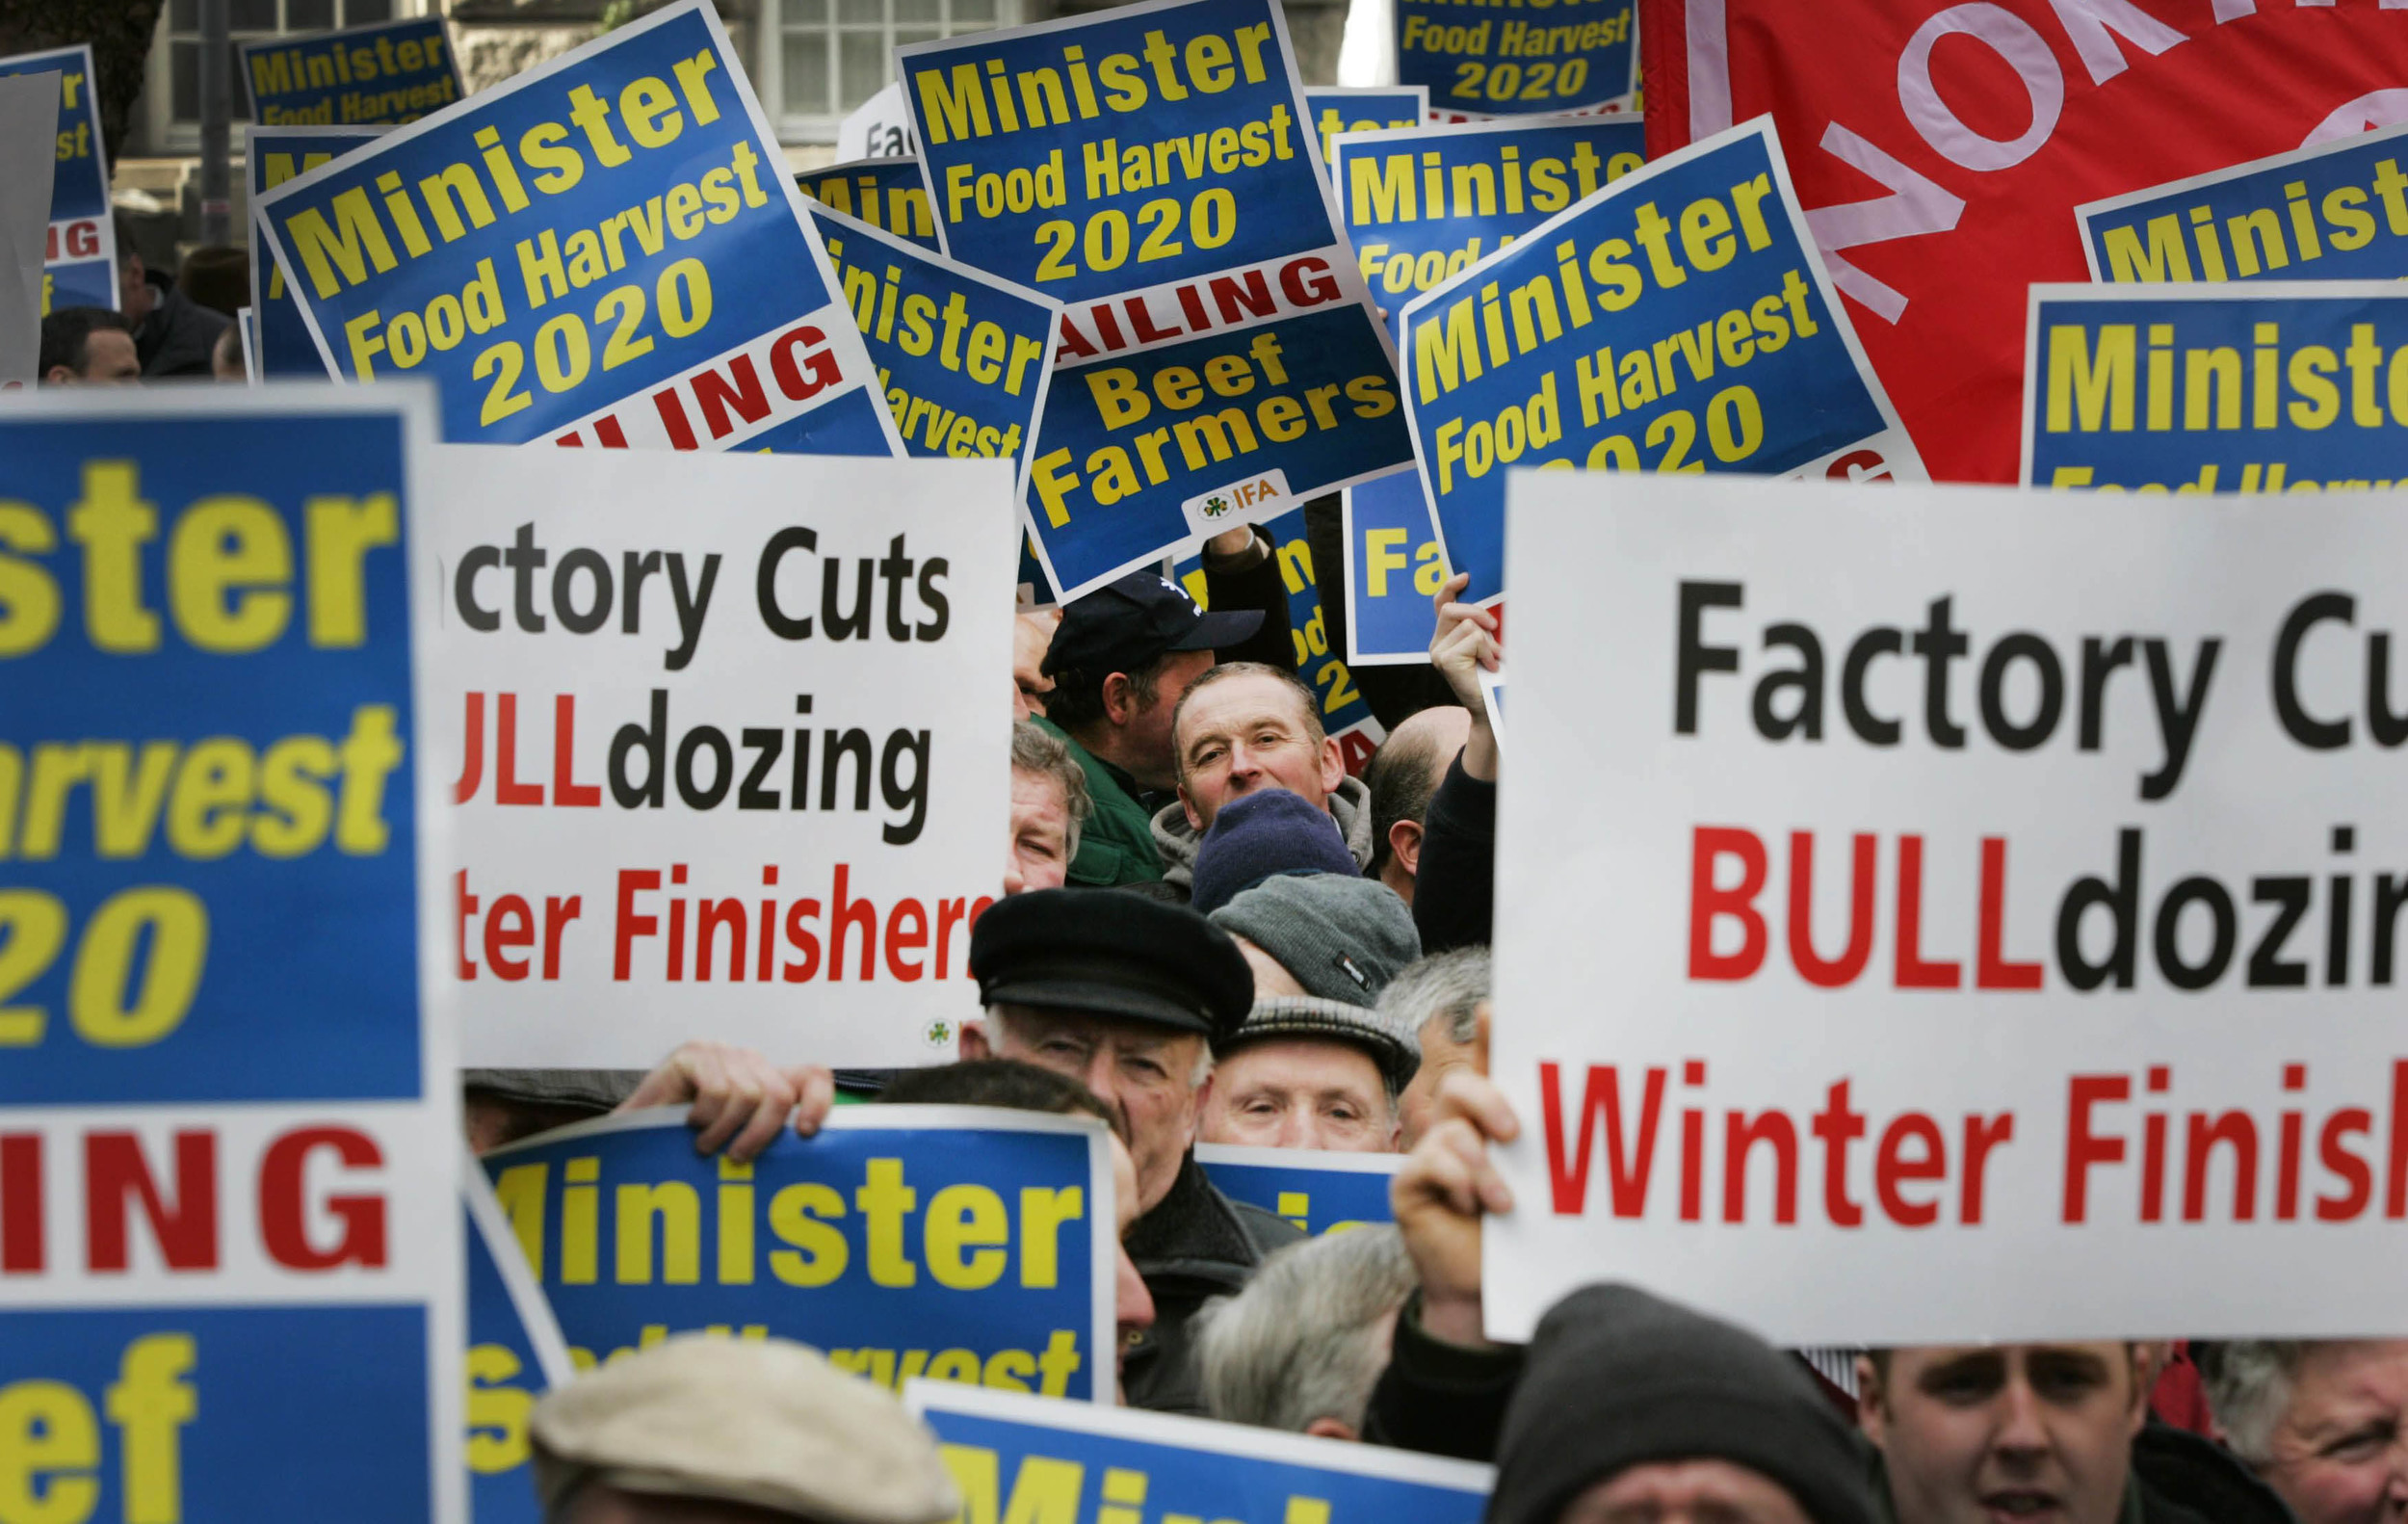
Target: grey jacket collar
point(1175, 841)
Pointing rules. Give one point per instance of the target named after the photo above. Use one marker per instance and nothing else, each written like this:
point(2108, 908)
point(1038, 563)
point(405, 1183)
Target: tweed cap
point(1392, 1045)
point(601, 1090)
point(756, 1421)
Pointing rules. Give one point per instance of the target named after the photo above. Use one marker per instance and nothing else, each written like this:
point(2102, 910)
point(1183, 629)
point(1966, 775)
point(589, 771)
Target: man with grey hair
point(1242, 728)
point(1302, 1346)
point(1404, 778)
point(2324, 1421)
point(1310, 1072)
point(1050, 805)
point(1444, 1000)
point(705, 1430)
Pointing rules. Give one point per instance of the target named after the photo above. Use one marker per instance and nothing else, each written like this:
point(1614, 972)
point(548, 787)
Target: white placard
point(709, 724)
point(29, 113)
point(2085, 1022)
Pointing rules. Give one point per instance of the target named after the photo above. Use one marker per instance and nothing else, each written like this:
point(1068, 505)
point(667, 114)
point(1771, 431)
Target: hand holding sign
point(736, 1099)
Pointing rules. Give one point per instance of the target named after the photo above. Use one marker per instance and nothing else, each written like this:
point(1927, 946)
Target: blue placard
point(1320, 1193)
point(2286, 388)
point(206, 739)
point(1343, 712)
point(962, 357)
point(606, 251)
point(302, 1412)
point(1367, 107)
point(1154, 168)
point(887, 193)
point(956, 1242)
point(1679, 319)
point(1022, 1458)
point(1554, 56)
point(79, 266)
point(213, 842)
point(1421, 207)
point(1140, 453)
point(515, 1354)
point(379, 75)
point(276, 155)
point(1153, 144)
point(2337, 211)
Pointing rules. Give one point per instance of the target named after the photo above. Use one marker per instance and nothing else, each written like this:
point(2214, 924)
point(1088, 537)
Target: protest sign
point(1369, 108)
point(1344, 715)
point(1421, 208)
point(960, 1243)
point(462, 246)
point(1222, 361)
point(515, 1354)
point(2336, 210)
point(963, 359)
point(247, 320)
point(27, 111)
point(1940, 149)
point(379, 75)
point(1557, 55)
point(1676, 320)
point(2276, 386)
point(276, 155)
point(225, 1250)
point(879, 128)
point(887, 193)
point(653, 843)
point(1994, 957)
point(1319, 1191)
point(1020, 1458)
point(80, 249)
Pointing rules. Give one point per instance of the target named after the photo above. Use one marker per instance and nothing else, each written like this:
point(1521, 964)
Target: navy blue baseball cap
point(1128, 626)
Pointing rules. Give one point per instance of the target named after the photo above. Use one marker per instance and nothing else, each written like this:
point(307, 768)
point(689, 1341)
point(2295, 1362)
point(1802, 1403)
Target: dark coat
point(1196, 1244)
point(178, 336)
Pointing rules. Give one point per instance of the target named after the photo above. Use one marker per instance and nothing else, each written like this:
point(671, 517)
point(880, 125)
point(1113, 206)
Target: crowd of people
point(163, 329)
point(1212, 933)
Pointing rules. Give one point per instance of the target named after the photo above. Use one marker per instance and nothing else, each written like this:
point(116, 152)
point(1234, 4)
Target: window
point(823, 57)
point(170, 117)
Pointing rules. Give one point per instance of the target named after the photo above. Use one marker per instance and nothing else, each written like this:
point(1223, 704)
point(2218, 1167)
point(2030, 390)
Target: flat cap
point(601, 1090)
point(1390, 1042)
point(1111, 954)
point(756, 1421)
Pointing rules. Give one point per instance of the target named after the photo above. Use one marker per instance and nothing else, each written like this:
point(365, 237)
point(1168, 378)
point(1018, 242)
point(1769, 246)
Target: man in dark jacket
point(1132, 997)
point(1971, 1435)
point(1120, 661)
point(174, 334)
point(1455, 886)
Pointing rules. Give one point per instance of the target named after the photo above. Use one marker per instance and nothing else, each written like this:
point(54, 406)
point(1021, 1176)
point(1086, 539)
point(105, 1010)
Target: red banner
point(1940, 148)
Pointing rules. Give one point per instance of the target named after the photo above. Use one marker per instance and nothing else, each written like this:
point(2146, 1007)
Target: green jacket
point(1116, 844)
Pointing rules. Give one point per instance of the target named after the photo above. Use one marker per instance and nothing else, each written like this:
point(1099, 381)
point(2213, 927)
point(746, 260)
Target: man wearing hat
point(1120, 661)
point(1310, 1072)
point(1134, 998)
point(704, 1429)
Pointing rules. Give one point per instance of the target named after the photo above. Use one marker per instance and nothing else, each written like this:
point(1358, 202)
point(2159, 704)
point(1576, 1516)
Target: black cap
point(1128, 626)
point(1616, 1377)
point(1111, 954)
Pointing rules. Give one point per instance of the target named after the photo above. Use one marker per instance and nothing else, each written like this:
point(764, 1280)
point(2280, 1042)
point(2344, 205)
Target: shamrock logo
point(1215, 505)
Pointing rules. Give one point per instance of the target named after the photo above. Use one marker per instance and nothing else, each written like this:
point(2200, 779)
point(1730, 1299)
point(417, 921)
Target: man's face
point(1441, 1056)
point(1031, 633)
point(1040, 855)
point(2022, 1433)
point(1145, 1072)
point(1145, 732)
point(1133, 1305)
point(1301, 1094)
point(109, 360)
point(2338, 1454)
point(134, 297)
point(1249, 733)
point(1685, 1492)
